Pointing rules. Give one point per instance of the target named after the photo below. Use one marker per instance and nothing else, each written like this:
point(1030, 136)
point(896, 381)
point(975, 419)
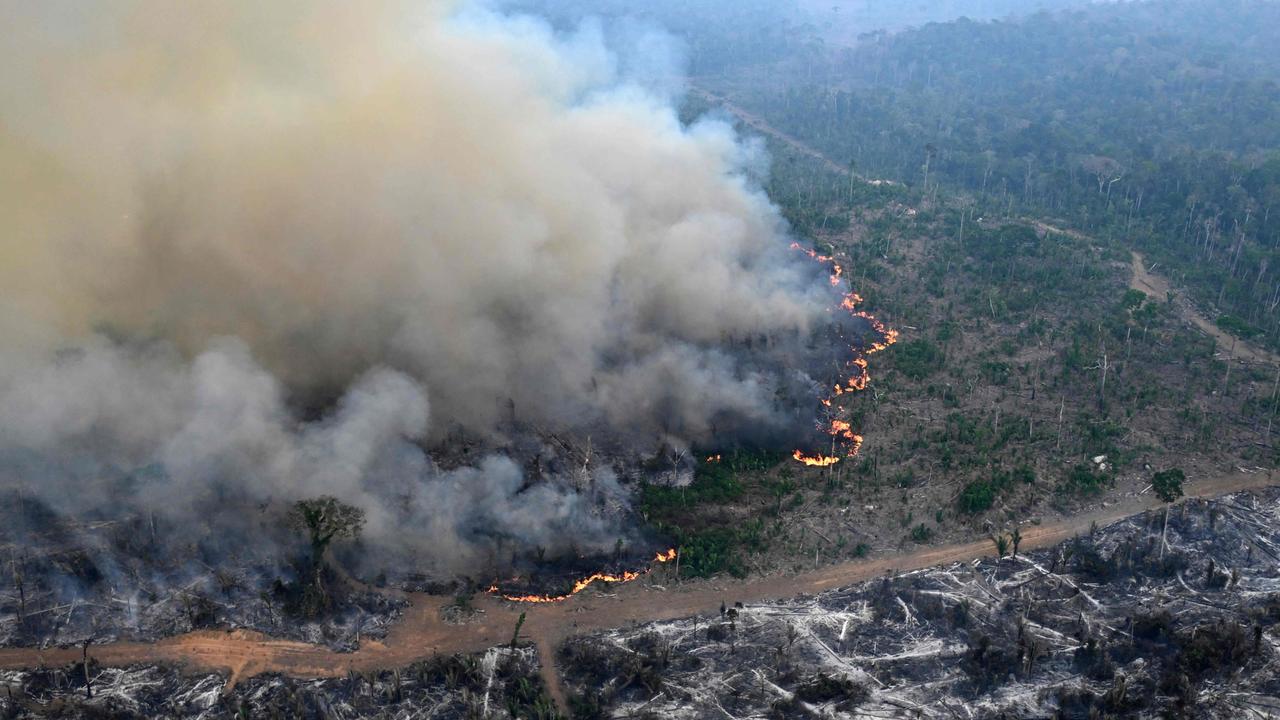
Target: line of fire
point(845, 442)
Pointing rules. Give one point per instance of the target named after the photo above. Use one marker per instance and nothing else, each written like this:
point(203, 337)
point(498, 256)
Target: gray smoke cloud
point(442, 216)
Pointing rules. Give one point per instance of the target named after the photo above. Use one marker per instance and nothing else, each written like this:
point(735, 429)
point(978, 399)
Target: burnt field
point(1133, 620)
point(111, 576)
point(70, 582)
point(501, 683)
point(1153, 616)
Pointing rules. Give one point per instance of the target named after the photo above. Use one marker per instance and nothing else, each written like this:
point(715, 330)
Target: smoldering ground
point(436, 218)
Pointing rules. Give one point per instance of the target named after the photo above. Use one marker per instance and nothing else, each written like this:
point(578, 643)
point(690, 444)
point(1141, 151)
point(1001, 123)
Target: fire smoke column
point(218, 216)
point(498, 211)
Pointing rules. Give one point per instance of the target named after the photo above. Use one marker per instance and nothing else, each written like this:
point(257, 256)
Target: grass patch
point(1238, 327)
point(979, 495)
point(1083, 480)
point(713, 541)
point(917, 359)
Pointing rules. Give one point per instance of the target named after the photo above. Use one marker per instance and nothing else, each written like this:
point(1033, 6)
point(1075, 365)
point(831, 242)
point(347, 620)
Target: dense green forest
point(1157, 123)
point(727, 37)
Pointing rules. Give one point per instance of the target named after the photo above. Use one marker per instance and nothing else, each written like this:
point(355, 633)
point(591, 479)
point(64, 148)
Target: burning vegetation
point(845, 443)
point(584, 583)
point(1150, 617)
point(247, 328)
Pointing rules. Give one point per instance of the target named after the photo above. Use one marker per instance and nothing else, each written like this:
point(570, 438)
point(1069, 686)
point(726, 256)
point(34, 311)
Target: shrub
point(824, 688)
point(921, 534)
point(1238, 327)
point(977, 497)
point(917, 359)
point(1168, 484)
point(1083, 480)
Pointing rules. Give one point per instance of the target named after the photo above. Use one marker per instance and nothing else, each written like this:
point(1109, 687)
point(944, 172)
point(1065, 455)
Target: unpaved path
point(421, 633)
point(760, 125)
point(1157, 287)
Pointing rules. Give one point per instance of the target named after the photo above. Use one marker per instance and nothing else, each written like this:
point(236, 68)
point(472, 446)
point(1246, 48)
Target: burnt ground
point(499, 683)
point(1129, 620)
point(127, 576)
point(69, 581)
point(1133, 620)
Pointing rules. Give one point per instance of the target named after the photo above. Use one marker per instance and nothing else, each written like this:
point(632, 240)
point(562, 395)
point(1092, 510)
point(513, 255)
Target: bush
point(712, 551)
point(1216, 648)
point(977, 496)
point(921, 534)
point(1083, 480)
point(1238, 327)
point(917, 359)
point(1168, 484)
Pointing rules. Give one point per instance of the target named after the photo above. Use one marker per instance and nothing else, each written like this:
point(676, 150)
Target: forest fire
point(815, 460)
point(841, 430)
point(580, 585)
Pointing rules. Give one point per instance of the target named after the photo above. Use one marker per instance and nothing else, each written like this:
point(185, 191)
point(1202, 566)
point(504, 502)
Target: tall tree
point(324, 519)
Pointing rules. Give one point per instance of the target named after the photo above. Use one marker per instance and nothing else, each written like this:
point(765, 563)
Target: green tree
point(1002, 544)
point(1168, 487)
point(1168, 484)
point(324, 519)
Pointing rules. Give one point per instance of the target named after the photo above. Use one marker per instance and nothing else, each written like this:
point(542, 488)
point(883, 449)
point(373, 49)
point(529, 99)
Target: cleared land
point(423, 633)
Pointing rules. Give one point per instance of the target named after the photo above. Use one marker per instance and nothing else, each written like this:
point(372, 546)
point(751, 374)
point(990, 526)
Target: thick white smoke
point(392, 203)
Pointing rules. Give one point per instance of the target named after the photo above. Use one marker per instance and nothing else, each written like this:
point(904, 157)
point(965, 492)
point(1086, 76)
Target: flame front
point(859, 378)
point(580, 585)
point(815, 460)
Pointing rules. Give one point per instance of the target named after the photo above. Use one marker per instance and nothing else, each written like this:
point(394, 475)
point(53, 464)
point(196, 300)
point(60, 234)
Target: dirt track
point(760, 125)
point(1157, 287)
point(421, 633)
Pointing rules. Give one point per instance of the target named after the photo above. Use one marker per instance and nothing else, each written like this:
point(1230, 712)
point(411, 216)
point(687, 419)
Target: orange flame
point(713, 458)
point(580, 585)
point(861, 376)
point(815, 460)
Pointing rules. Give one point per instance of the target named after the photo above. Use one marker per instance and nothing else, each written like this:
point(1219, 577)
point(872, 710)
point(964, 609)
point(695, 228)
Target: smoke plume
point(423, 217)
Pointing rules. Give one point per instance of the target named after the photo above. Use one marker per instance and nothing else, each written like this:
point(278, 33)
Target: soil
point(1157, 287)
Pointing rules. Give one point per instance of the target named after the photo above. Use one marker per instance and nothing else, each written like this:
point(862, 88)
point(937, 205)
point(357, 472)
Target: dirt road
point(1157, 287)
point(421, 633)
point(760, 125)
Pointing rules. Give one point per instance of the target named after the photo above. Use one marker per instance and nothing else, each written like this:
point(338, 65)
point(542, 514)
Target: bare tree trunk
point(88, 681)
point(1226, 380)
point(20, 584)
point(1164, 533)
point(1272, 416)
point(1062, 406)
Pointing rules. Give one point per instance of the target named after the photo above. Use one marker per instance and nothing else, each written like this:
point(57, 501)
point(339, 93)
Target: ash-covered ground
point(114, 575)
point(1147, 618)
point(66, 582)
point(501, 683)
point(1131, 621)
